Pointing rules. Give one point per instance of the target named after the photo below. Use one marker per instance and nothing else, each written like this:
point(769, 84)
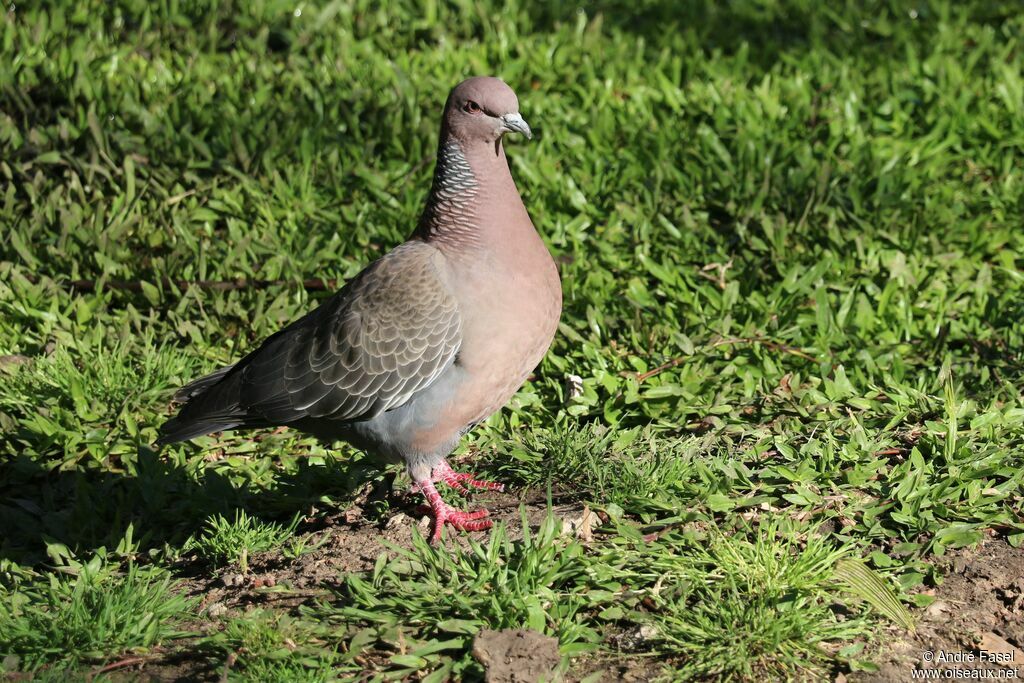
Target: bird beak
point(514, 123)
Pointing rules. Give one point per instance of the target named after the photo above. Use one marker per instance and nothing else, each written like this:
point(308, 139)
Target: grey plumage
point(387, 334)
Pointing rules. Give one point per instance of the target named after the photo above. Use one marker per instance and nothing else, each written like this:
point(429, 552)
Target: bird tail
point(177, 429)
point(210, 405)
point(199, 386)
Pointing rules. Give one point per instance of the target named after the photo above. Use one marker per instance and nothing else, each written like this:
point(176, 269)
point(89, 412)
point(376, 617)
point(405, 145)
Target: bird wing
point(387, 334)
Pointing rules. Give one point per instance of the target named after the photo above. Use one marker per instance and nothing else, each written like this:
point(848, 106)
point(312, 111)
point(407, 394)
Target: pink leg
point(459, 480)
point(445, 514)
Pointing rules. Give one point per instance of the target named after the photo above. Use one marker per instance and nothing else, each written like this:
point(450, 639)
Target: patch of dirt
point(605, 668)
point(516, 656)
point(349, 542)
point(179, 665)
point(979, 606)
point(975, 624)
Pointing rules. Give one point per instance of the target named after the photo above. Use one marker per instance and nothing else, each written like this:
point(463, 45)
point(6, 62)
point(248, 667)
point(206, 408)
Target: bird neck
point(471, 193)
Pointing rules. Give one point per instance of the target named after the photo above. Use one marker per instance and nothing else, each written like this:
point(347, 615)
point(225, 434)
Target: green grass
point(232, 542)
point(90, 614)
point(432, 601)
point(750, 609)
point(268, 646)
point(789, 234)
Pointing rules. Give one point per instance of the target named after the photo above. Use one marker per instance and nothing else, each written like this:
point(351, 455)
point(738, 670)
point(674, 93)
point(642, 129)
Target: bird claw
point(443, 513)
point(452, 480)
point(460, 480)
point(463, 521)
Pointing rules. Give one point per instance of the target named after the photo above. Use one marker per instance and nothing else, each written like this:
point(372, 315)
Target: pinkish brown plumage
point(425, 342)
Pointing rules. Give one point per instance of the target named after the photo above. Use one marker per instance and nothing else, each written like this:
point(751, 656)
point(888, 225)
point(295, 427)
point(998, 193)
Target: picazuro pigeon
point(424, 343)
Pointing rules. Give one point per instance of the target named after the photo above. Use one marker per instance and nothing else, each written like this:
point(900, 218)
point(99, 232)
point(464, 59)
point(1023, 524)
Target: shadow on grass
point(766, 31)
point(772, 30)
point(164, 501)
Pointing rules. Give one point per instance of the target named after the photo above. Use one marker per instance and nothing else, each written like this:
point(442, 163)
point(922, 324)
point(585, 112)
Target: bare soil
point(978, 608)
point(353, 543)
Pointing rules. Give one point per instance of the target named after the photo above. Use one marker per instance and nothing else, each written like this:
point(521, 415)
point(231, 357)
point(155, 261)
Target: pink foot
point(444, 513)
point(459, 480)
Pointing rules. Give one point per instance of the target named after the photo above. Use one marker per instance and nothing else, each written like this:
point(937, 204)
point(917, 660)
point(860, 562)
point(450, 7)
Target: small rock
point(216, 609)
point(12, 360)
point(997, 645)
point(353, 514)
point(573, 387)
point(516, 655)
point(647, 632)
point(233, 580)
point(581, 527)
point(936, 609)
point(397, 520)
point(635, 638)
point(267, 581)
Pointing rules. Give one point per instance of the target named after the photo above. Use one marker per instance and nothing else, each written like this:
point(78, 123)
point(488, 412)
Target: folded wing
point(387, 334)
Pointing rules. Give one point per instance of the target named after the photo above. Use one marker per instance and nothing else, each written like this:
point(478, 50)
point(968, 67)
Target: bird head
point(484, 109)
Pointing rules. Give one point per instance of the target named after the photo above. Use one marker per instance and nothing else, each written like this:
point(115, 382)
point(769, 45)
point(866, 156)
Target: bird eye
point(472, 107)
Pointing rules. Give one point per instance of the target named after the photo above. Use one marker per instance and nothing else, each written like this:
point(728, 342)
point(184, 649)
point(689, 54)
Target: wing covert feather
point(387, 334)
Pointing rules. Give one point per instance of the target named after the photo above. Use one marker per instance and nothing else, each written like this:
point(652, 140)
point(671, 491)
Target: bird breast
point(510, 309)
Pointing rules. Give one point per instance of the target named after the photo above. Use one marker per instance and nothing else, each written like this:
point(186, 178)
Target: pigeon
point(425, 342)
